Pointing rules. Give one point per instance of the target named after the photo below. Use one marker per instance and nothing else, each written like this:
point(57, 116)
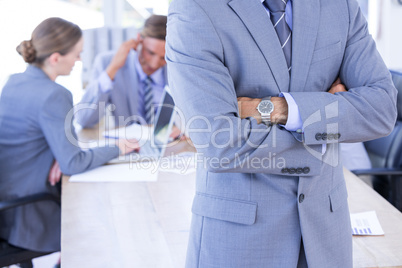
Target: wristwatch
point(265, 108)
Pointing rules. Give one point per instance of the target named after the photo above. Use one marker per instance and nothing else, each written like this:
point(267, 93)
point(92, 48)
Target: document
point(134, 131)
point(117, 173)
point(365, 223)
point(183, 163)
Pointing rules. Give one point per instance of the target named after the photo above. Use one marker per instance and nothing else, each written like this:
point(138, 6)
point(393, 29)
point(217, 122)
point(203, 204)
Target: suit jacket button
point(324, 136)
point(306, 170)
point(292, 170)
point(318, 136)
point(337, 136)
point(330, 136)
point(284, 170)
point(301, 198)
point(299, 170)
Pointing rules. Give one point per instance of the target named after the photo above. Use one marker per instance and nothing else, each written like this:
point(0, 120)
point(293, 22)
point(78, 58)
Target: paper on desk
point(183, 163)
point(117, 173)
point(134, 131)
point(365, 223)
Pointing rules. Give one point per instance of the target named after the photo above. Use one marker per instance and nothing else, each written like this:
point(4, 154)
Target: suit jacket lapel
point(306, 18)
point(255, 18)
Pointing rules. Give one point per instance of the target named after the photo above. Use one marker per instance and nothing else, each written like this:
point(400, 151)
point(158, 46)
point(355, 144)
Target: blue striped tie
point(148, 100)
point(277, 11)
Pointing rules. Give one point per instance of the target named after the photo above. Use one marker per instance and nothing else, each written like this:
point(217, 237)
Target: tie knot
point(276, 5)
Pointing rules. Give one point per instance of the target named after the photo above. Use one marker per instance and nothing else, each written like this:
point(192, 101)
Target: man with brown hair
point(131, 79)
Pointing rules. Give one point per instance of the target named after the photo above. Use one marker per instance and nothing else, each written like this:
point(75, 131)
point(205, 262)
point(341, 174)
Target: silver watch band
point(266, 119)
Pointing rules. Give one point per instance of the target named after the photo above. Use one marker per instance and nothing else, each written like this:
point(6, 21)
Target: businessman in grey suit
point(271, 192)
point(120, 78)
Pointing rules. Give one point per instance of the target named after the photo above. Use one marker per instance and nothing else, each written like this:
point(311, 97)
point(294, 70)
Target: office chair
point(386, 157)
point(9, 254)
point(397, 79)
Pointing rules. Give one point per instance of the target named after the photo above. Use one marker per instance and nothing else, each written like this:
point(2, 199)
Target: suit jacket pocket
point(225, 209)
point(326, 52)
point(338, 197)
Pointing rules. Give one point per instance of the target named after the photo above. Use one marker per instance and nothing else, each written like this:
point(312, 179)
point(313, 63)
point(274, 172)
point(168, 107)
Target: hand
point(280, 113)
point(176, 133)
point(248, 108)
point(54, 173)
point(127, 146)
point(337, 86)
point(120, 57)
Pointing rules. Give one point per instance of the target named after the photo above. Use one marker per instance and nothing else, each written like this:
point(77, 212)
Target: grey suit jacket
point(35, 130)
point(261, 190)
point(124, 94)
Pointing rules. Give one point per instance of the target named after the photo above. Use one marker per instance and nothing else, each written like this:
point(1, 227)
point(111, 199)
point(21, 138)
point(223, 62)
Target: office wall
point(386, 27)
point(18, 18)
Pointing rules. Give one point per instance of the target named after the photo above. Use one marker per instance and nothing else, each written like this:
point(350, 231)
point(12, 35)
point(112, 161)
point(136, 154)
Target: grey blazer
point(261, 190)
point(124, 94)
point(34, 132)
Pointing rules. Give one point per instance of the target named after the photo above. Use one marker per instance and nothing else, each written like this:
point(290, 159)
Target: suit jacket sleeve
point(60, 135)
point(93, 103)
point(204, 91)
point(368, 110)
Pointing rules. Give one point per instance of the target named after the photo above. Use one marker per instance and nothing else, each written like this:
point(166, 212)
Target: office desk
point(127, 224)
point(146, 224)
point(124, 224)
point(375, 251)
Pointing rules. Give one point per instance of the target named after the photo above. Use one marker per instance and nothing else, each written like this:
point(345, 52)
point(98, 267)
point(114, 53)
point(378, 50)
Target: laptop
point(154, 147)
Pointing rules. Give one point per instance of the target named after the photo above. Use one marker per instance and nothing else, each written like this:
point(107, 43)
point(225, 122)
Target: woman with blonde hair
point(34, 136)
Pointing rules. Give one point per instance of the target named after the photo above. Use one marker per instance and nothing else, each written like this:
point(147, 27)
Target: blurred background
point(18, 18)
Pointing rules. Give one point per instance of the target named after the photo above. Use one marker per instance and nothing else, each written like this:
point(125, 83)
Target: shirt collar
point(262, 1)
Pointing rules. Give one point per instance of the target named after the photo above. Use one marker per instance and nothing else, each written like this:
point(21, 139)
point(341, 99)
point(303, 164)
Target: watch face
point(265, 107)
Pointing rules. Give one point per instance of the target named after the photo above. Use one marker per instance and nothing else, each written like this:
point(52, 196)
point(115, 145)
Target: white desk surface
point(375, 251)
point(146, 224)
point(127, 224)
